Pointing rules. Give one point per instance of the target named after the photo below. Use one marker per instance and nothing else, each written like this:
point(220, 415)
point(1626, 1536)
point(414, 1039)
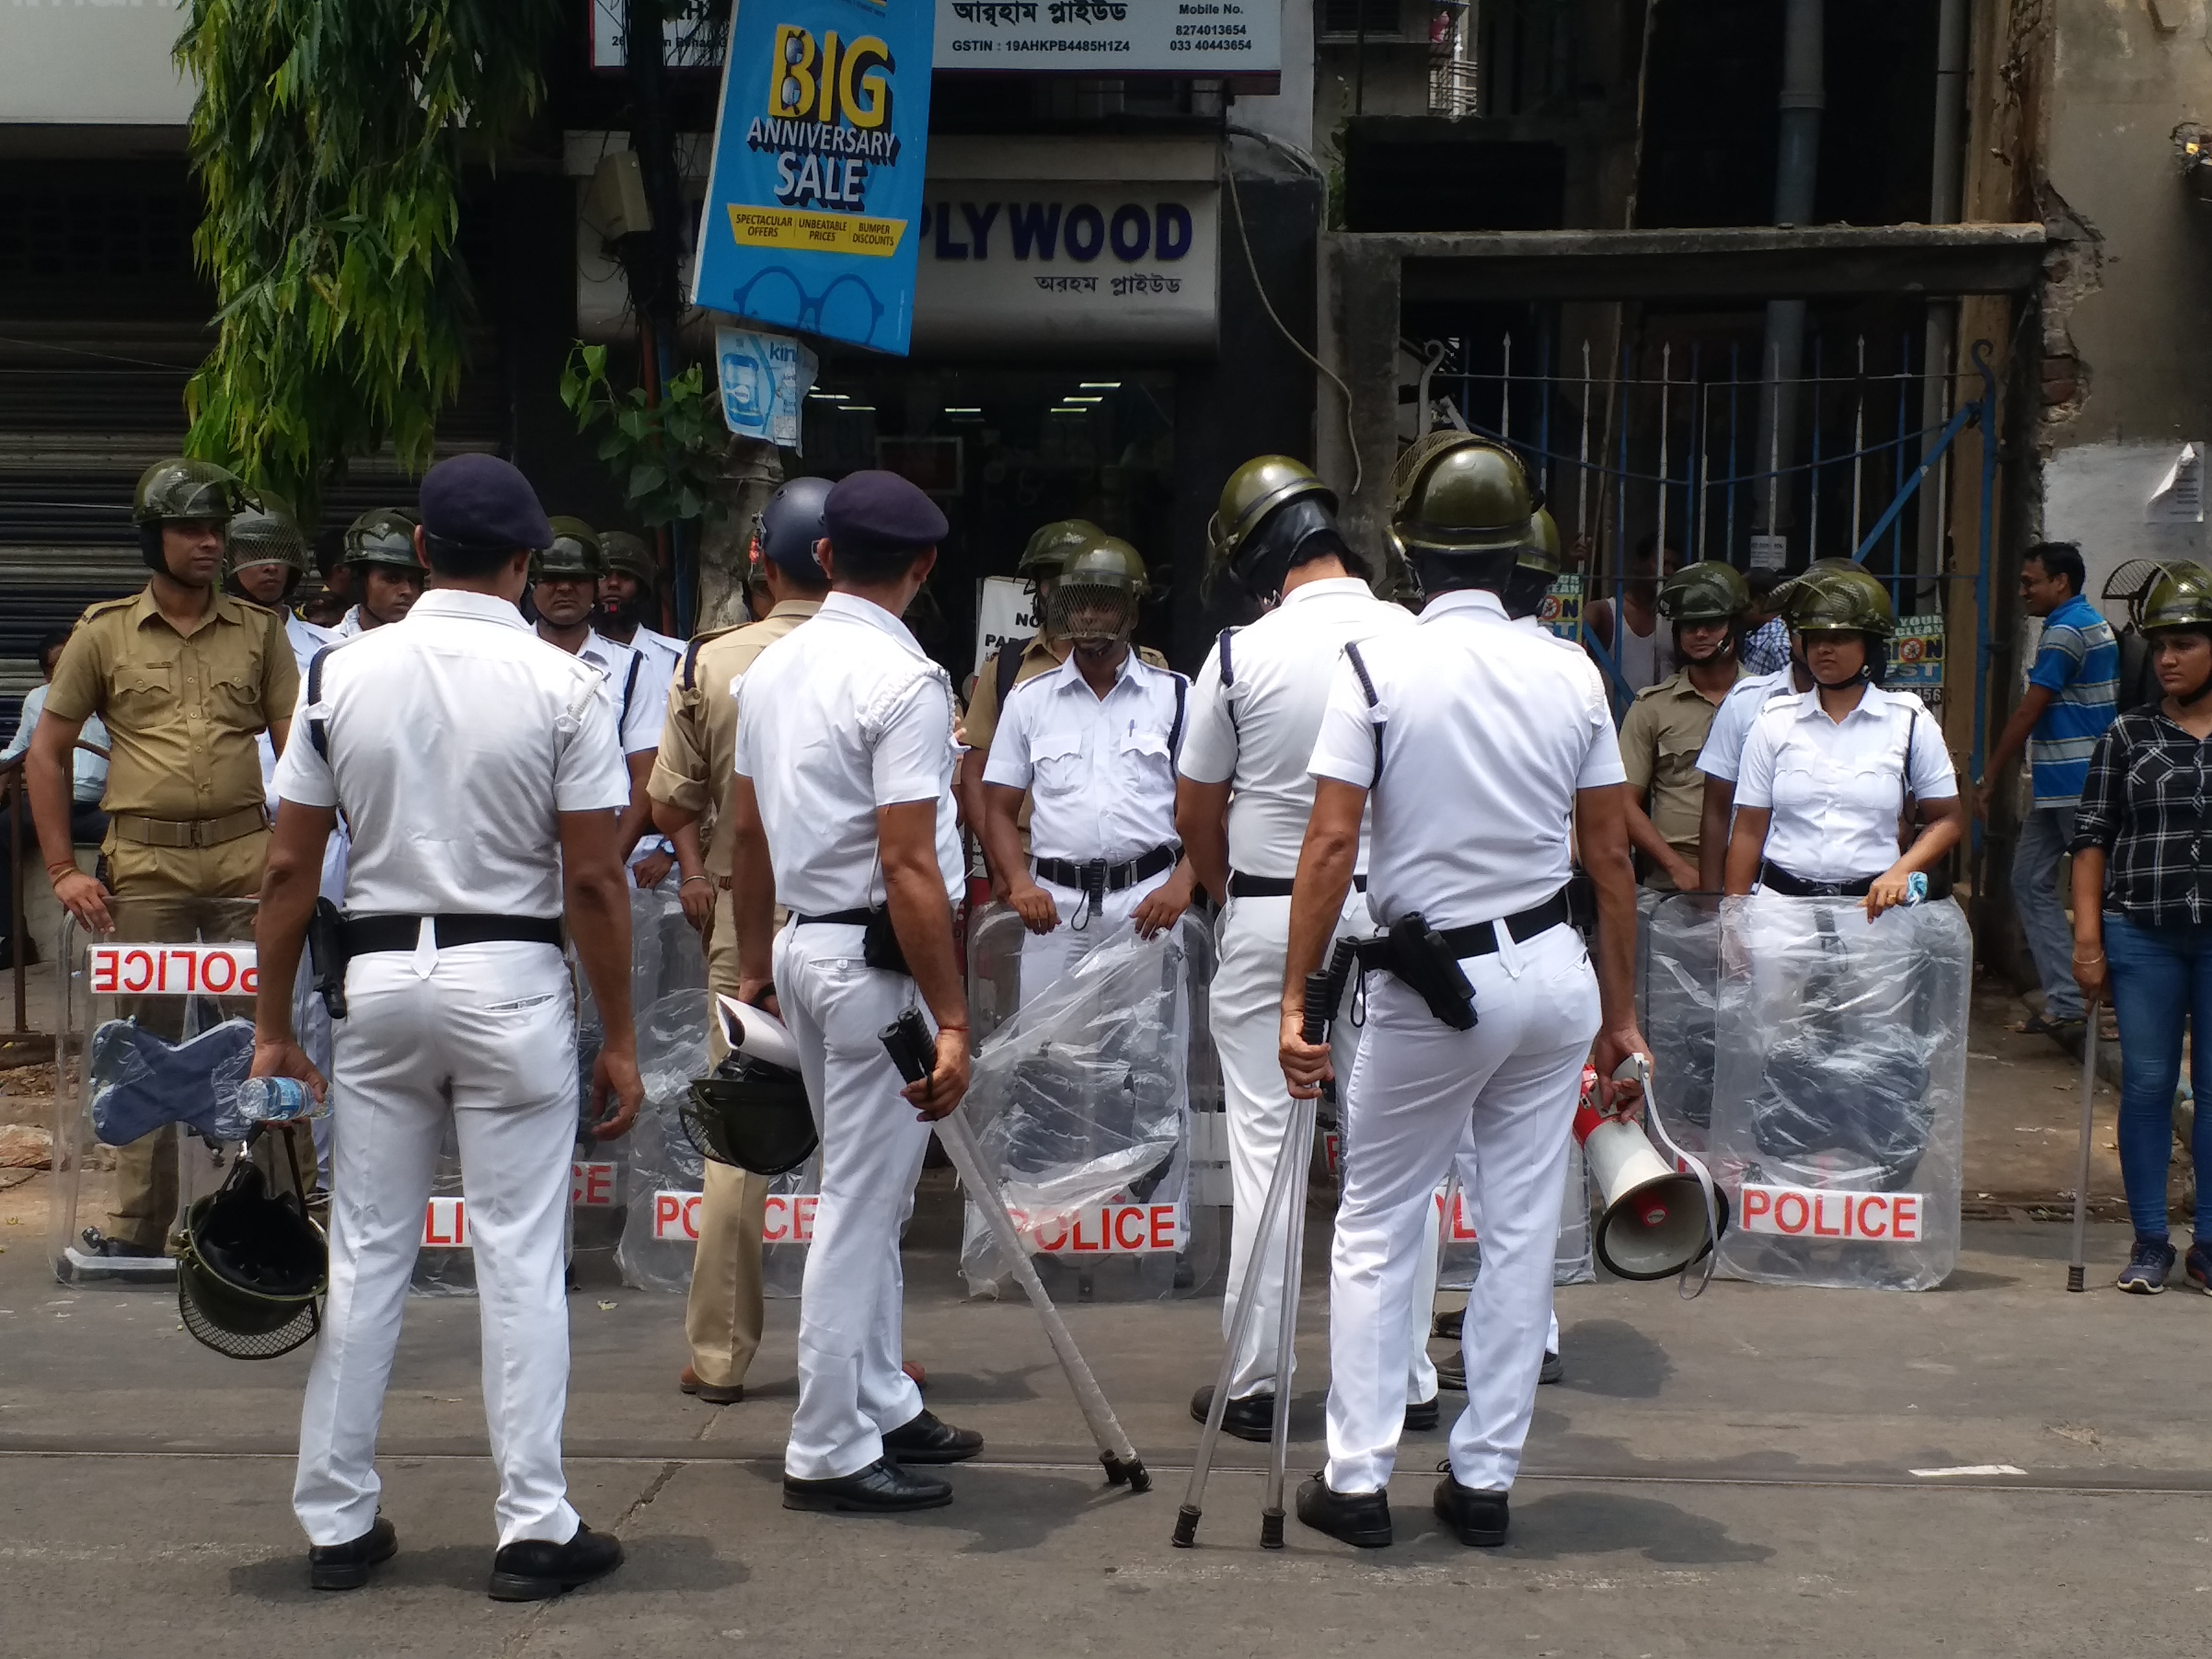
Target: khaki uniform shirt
point(699, 738)
point(182, 710)
point(1660, 742)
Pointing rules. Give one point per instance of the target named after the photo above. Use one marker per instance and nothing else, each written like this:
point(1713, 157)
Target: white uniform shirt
point(456, 738)
point(663, 654)
point(1100, 771)
point(1257, 734)
point(305, 639)
point(87, 772)
point(349, 626)
point(1835, 790)
point(1723, 755)
point(841, 717)
point(1488, 731)
point(641, 700)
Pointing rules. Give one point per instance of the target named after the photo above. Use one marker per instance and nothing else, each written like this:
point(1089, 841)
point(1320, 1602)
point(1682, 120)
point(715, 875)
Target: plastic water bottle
point(277, 1100)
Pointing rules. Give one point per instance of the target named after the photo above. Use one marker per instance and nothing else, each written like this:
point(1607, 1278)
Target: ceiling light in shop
point(857, 409)
point(825, 397)
point(964, 411)
point(1082, 400)
point(1102, 386)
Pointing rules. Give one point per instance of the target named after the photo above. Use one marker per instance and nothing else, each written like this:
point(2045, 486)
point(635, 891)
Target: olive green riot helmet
point(1254, 490)
point(1052, 545)
point(629, 554)
point(1461, 507)
point(383, 535)
point(576, 554)
point(1707, 591)
point(253, 1268)
point(2180, 597)
point(1541, 550)
point(1095, 596)
point(267, 534)
point(1844, 597)
point(182, 487)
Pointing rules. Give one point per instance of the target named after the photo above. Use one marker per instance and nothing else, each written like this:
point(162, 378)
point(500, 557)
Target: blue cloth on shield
point(141, 1082)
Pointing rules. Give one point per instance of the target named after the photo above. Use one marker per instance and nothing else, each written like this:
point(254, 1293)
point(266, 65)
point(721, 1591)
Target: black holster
point(879, 944)
point(1418, 954)
point(326, 956)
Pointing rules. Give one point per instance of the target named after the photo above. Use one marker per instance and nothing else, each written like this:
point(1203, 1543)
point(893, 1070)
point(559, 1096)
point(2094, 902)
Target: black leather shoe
point(1449, 1324)
point(1358, 1518)
point(345, 1566)
point(535, 1569)
point(97, 1242)
point(882, 1488)
point(1452, 1373)
point(923, 1438)
point(1421, 1413)
point(1477, 1517)
point(1252, 1418)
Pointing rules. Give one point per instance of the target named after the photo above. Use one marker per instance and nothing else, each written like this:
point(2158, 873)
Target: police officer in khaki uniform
point(1668, 725)
point(689, 786)
point(186, 678)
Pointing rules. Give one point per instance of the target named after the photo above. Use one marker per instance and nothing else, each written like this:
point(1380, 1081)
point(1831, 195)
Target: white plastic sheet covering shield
point(671, 1050)
point(1572, 1260)
point(1080, 1103)
point(1678, 985)
point(1839, 1090)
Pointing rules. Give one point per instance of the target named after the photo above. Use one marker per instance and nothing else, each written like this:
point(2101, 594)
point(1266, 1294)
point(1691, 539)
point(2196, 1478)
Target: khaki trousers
point(175, 894)
point(723, 1316)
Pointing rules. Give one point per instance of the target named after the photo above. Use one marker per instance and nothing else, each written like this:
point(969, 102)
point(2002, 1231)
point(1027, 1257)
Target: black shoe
point(1252, 1418)
point(97, 1242)
point(923, 1439)
point(535, 1569)
point(1358, 1518)
point(1421, 1413)
point(1452, 1373)
point(345, 1566)
point(882, 1488)
point(1477, 1517)
point(1449, 1324)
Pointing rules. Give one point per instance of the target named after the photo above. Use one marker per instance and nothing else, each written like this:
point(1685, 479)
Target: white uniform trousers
point(1463, 1178)
point(850, 1386)
point(1412, 1089)
point(1245, 1011)
point(484, 1034)
point(1046, 956)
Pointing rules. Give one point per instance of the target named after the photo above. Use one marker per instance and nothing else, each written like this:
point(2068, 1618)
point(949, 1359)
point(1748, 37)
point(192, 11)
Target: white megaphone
point(1659, 1218)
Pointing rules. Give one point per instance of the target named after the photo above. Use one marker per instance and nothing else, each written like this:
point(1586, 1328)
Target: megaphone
point(1659, 1218)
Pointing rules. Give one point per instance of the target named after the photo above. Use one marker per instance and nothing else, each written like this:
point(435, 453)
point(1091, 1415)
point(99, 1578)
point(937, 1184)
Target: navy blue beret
point(874, 515)
point(482, 503)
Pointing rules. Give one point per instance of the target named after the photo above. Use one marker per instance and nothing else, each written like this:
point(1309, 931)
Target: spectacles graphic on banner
point(847, 309)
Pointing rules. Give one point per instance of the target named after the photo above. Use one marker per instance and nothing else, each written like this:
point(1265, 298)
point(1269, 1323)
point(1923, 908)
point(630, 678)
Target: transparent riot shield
point(1080, 1102)
point(994, 968)
point(1677, 988)
point(157, 1028)
point(1839, 1090)
point(1572, 1262)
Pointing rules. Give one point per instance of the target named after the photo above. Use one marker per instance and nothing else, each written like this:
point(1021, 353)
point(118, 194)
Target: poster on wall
point(1562, 610)
point(817, 179)
point(764, 380)
point(1005, 610)
point(1916, 658)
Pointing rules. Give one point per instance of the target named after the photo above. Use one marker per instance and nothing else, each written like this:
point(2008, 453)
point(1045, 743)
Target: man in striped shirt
point(2072, 697)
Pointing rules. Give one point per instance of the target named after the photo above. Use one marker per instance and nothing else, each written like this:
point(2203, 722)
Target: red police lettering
point(222, 962)
point(143, 961)
point(1781, 1220)
point(445, 1224)
point(102, 967)
point(1757, 1202)
point(1874, 1216)
point(1163, 1227)
point(1904, 1218)
point(187, 964)
point(802, 1218)
point(1077, 1242)
point(1122, 1219)
point(1052, 1236)
point(1820, 1229)
point(667, 1213)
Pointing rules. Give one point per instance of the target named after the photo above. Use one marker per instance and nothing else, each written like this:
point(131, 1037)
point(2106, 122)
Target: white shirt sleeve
point(1754, 783)
point(913, 744)
point(303, 773)
point(1601, 766)
point(1209, 740)
point(588, 773)
point(1722, 755)
point(1008, 760)
point(1928, 770)
point(1344, 748)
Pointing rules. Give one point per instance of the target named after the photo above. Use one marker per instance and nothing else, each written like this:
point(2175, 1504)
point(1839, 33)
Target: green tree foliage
point(329, 139)
point(663, 455)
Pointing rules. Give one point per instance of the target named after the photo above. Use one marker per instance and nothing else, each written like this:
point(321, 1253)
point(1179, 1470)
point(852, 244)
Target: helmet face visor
point(1086, 611)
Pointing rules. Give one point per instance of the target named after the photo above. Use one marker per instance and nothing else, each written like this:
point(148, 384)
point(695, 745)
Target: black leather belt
point(361, 936)
point(859, 918)
point(1481, 939)
point(1778, 879)
point(1243, 886)
point(1065, 873)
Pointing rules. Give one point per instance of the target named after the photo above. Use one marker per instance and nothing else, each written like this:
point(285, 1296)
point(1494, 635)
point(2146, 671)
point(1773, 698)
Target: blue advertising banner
point(816, 182)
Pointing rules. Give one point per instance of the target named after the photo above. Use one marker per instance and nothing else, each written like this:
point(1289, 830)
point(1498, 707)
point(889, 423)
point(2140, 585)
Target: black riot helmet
point(252, 1268)
point(752, 1114)
point(788, 527)
point(1275, 514)
point(181, 489)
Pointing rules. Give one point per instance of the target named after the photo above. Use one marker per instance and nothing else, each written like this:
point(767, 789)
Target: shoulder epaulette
point(102, 606)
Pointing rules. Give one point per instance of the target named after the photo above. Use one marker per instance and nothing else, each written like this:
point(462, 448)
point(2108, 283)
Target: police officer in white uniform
point(478, 770)
point(1241, 810)
point(841, 810)
point(1094, 742)
point(1482, 746)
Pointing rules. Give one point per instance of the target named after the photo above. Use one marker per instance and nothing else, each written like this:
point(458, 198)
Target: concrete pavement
point(1735, 1474)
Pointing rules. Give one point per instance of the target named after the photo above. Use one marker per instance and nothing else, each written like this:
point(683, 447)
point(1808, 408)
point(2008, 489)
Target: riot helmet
point(252, 1269)
point(1462, 510)
point(2181, 597)
point(266, 535)
point(1052, 545)
point(789, 527)
point(1094, 599)
point(1843, 602)
point(385, 536)
point(181, 489)
point(752, 1114)
point(1710, 591)
point(576, 554)
point(1536, 567)
point(628, 556)
point(1275, 515)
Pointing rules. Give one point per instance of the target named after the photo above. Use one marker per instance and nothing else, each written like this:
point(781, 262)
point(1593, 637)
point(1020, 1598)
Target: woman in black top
point(2142, 914)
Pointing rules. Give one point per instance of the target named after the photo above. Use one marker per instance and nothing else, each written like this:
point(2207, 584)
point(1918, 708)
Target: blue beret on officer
point(874, 515)
point(482, 503)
